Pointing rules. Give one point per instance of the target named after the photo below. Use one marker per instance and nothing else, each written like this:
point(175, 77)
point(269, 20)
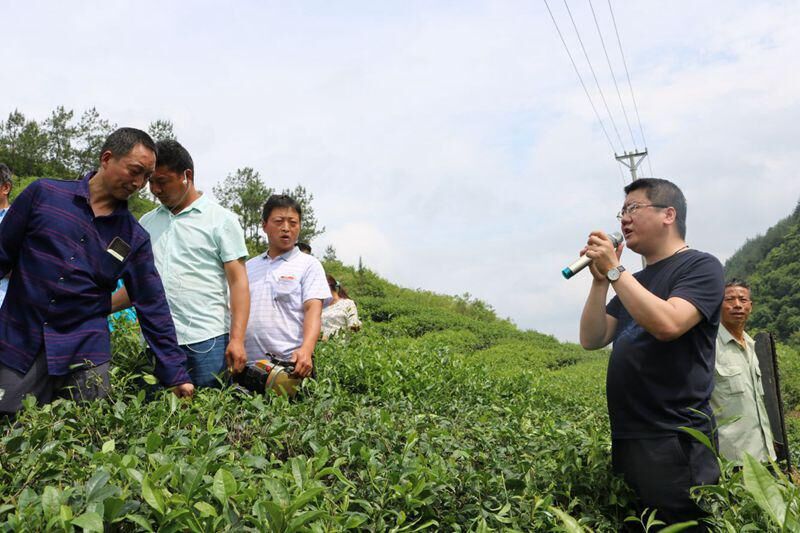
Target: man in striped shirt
point(68, 242)
point(287, 288)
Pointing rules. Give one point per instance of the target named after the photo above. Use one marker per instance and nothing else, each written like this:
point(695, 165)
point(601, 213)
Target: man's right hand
point(303, 362)
point(235, 356)
point(597, 242)
point(184, 390)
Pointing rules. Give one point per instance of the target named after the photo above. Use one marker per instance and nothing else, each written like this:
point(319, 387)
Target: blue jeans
point(206, 361)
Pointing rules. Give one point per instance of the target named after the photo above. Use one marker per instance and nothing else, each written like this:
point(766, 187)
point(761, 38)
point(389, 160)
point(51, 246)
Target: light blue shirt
point(278, 289)
point(4, 281)
point(126, 315)
point(190, 251)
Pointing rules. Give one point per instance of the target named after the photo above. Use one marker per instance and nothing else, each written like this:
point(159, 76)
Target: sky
point(449, 145)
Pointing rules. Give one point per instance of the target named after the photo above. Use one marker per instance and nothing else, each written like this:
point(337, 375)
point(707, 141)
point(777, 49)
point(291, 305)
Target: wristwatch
point(614, 274)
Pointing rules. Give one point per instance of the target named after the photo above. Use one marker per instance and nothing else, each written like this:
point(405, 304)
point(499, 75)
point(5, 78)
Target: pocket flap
point(728, 370)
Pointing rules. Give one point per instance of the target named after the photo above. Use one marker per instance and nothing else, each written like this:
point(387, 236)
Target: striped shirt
point(60, 293)
point(278, 289)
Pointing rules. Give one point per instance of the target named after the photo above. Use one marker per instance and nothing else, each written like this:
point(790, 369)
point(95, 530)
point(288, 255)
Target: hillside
point(771, 263)
point(436, 416)
point(743, 263)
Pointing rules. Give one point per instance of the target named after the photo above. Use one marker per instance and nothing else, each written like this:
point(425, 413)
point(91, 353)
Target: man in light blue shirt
point(199, 251)
point(5, 190)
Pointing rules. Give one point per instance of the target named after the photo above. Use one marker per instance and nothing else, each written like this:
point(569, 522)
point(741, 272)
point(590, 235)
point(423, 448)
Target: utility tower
point(629, 159)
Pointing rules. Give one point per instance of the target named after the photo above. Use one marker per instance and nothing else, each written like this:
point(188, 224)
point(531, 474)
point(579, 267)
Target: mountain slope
point(771, 263)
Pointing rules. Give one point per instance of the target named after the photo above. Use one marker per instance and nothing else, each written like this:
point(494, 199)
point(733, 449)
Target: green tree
point(58, 147)
point(91, 134)
point(776, 289)
point(161, 130)
point(139, 204)
point(244, 193)
point(771, 263)
point(23, 145)
point(61, 134)
point(743, 263)
point(309, 229)
point(19, 186)
point(330, 254)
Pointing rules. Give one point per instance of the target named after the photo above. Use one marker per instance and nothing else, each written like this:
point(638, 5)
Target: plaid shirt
point(60, 292)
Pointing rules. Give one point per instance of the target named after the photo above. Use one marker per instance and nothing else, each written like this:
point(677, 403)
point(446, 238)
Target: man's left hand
point(235, 356)
point(303, 363)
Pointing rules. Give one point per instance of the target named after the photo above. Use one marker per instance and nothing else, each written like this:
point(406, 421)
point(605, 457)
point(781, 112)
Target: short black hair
point(304, 247)
point(174, 156)
point(122, 141)
point(5, 175)
point(737, 282)
point(280, 200)
point(663, 192)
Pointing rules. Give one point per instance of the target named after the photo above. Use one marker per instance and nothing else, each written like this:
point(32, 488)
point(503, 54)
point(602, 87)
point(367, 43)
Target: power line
point(596, 82)
point(580, 78)
point(613, 77)
point(630, 85)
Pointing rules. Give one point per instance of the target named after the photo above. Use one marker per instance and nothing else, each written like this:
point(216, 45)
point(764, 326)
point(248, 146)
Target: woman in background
point(340, 313)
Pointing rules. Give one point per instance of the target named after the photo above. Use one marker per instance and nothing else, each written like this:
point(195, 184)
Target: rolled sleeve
point(147, 296)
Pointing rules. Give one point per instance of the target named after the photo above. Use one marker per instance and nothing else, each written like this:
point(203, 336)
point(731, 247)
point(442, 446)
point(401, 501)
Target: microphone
point(583, 262)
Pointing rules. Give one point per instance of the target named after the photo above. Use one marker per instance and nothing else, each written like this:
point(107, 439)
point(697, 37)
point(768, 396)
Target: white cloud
point(448, 144)
point(356, 241)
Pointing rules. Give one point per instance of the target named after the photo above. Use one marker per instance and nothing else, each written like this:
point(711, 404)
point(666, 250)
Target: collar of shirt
point(288, 256)
point(198, 205)
point(726, 337)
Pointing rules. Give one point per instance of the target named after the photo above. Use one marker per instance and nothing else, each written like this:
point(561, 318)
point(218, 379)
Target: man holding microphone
point(663, 322)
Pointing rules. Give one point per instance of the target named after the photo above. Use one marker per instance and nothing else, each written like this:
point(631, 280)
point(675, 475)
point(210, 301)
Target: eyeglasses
point(630, 209)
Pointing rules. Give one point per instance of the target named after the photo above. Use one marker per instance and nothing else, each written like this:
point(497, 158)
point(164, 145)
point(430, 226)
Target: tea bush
point(384, 440)
point(465, 425)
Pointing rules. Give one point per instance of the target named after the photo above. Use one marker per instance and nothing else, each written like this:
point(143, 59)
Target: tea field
point(438, 416)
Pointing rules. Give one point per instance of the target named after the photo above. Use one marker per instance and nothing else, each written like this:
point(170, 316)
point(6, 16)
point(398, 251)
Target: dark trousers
point(662, 470)
point(82, 384)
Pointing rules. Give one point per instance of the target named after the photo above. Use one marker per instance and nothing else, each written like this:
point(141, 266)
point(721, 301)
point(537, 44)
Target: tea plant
point(435, 417)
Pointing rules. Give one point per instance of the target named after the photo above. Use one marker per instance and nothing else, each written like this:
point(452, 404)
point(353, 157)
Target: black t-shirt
point(652, 386)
